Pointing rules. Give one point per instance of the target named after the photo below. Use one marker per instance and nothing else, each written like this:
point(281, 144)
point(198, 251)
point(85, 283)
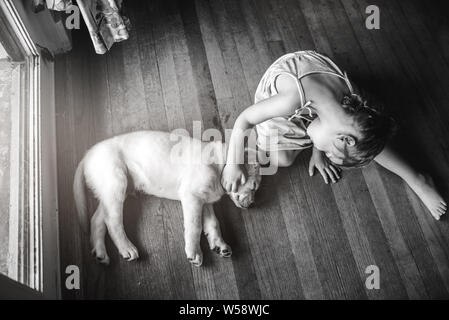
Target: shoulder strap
point(298, 85)
point(299, 113)
point(343, 76)
point(305, 106)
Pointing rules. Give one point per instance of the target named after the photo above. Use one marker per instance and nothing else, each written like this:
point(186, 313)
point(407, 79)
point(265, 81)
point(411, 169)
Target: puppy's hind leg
point(212, 231)
point(192, 209)
point(112, 198)
point(97, 236)
point(114, 223)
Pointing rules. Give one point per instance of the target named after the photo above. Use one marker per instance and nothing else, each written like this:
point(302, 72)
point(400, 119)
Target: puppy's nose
point(251, 205)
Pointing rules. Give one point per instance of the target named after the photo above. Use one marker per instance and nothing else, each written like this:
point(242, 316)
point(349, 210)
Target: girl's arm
point(279, 105)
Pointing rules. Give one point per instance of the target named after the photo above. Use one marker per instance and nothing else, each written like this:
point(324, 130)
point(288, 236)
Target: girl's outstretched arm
point(282, 104)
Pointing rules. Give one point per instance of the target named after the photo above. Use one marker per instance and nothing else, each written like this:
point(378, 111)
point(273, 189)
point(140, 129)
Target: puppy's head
point(245, 195)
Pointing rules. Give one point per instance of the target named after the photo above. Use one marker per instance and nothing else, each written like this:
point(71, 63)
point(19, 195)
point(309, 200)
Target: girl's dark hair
point(375, 129)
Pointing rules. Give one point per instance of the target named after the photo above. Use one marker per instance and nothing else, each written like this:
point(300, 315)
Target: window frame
point(34, 231)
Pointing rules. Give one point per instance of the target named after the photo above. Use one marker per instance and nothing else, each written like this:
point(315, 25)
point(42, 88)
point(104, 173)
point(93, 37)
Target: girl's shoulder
point(300, 63)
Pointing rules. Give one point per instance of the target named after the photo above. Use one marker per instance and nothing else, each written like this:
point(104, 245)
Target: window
point(6, 79)
point(10, 174)
point(28, 221)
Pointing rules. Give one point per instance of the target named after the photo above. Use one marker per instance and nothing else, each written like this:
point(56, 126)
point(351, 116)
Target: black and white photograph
point(243, 151)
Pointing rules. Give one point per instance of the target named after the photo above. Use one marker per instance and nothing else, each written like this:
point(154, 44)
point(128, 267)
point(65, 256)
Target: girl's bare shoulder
point(286, 84)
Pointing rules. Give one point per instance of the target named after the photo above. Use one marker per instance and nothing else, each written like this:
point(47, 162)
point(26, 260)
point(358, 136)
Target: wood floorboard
point(201, 60)
point(356, 202)
point(373, 46)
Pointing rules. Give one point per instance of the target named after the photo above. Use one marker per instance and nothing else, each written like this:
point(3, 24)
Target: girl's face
point(328, 137)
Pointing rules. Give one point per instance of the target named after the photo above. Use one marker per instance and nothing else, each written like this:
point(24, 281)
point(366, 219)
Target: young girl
point(310, 103)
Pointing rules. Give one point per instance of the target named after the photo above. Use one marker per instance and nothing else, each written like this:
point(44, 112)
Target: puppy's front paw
point(101, 255)
point(195, 257)
point(217, 244)
point(223, 250)
point(129, 252)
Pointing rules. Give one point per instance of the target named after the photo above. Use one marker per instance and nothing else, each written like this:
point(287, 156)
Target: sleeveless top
point(289, 133)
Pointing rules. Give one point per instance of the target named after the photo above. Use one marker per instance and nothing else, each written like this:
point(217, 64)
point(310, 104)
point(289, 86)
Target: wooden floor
point(202, 60)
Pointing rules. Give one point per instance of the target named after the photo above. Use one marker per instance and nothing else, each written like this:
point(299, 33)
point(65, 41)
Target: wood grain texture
point(201, 60)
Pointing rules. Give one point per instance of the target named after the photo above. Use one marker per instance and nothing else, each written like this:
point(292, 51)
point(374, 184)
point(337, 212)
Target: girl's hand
point(232, 176)
point(324, 166)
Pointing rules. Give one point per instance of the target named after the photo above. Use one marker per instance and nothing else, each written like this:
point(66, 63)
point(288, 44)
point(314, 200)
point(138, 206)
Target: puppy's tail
point(79, 194)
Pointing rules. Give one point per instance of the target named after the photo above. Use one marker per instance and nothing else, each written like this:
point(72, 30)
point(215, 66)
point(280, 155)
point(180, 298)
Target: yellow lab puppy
point(165, 165)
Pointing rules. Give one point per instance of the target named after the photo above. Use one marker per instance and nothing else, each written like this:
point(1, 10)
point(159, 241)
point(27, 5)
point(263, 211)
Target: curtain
point(104, 20)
